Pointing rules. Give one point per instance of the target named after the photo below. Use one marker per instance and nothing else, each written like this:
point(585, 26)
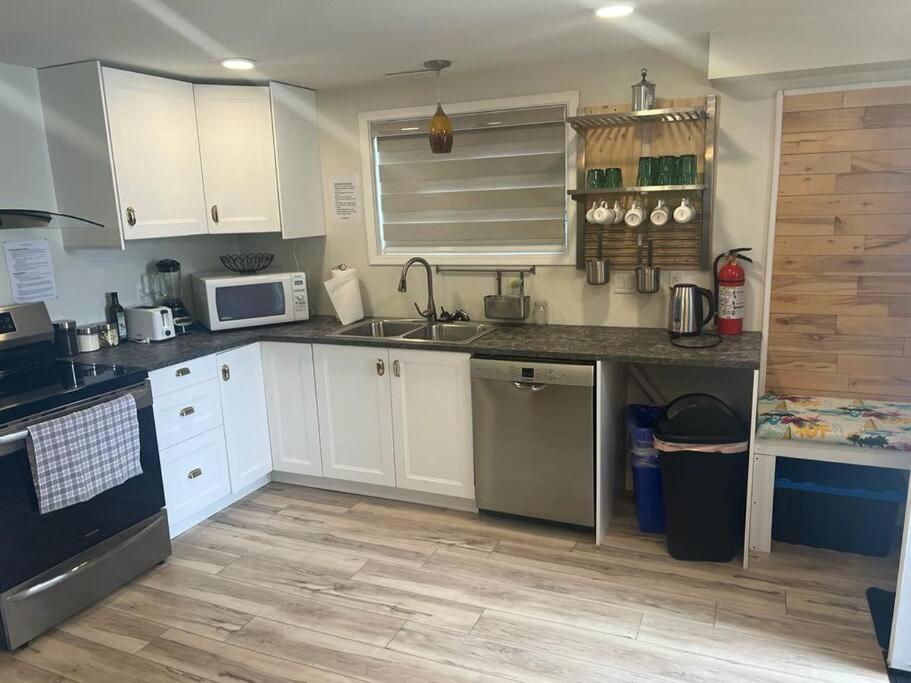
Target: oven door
point(250, 301)
point(34, 542)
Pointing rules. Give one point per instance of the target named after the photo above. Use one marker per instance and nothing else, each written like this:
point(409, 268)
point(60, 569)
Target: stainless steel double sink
point(415, 330)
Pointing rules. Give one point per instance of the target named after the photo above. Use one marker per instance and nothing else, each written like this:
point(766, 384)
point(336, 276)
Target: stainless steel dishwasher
point(534, 439)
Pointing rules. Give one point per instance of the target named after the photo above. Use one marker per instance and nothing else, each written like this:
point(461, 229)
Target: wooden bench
point(844, 430)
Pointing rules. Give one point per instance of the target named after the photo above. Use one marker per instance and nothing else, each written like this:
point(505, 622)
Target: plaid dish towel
point(78, 456)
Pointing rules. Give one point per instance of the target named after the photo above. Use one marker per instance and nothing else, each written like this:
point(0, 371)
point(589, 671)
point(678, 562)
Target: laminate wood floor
point(299, 584)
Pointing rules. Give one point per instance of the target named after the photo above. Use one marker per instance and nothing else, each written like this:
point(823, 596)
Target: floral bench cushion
point(845, 421)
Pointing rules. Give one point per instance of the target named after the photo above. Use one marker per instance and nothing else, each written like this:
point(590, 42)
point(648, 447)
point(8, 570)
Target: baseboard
point(178, 527)
point(376, 491)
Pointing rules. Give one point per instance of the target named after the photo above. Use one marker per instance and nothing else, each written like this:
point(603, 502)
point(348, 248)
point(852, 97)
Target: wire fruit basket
point(247, 264)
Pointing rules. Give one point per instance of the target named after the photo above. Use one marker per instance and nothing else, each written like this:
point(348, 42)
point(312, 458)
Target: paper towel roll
point(345, 293)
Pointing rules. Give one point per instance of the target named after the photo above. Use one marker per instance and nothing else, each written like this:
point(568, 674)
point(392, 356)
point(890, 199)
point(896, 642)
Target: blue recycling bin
point(646, 468)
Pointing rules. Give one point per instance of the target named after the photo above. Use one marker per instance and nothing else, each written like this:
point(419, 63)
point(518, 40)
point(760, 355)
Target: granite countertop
point(561, 342)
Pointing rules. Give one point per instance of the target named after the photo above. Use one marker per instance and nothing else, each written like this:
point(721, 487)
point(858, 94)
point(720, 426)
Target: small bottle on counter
point(65, 337)
point(87, 338)
point(116, 316)
point(107, 335)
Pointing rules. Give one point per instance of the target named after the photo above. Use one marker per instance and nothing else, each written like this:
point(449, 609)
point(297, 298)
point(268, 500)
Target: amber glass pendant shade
point(440, 132)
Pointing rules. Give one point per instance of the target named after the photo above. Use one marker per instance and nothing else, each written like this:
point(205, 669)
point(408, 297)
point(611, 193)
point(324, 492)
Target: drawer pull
point(225, 372)
point(189, 410)
point(131, 216)
point(396, 369)
point(380, 367)
point(195, 472)
point(182, 372)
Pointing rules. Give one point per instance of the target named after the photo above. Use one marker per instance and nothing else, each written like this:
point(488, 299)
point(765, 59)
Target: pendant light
point(440, 133)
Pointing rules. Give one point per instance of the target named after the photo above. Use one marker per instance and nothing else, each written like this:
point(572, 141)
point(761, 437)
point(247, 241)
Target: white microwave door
point(250, 301)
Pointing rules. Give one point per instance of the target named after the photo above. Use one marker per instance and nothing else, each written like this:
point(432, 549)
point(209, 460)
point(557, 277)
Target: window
point(499, 197)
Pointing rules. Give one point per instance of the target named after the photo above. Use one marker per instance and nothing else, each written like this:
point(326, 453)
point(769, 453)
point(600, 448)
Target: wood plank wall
point(840, 316)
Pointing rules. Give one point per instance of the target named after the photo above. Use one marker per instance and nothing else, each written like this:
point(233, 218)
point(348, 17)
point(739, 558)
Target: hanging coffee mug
point(685, 212)
point(619, 212)
point(660, 214)
point(635, 216)
point(603, 214)
point(590, 214)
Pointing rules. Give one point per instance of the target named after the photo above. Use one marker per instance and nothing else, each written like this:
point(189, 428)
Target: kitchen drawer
point(187, 412)
point(181, 375)
point(195, 474)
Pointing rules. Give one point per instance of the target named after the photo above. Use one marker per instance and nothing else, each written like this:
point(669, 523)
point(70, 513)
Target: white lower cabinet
point(431, 417)
point(355, 415)
point(195, 476)
point(243, 408)
point(291, 403)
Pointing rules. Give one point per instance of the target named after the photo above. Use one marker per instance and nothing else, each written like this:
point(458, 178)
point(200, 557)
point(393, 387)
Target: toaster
point(149, 323)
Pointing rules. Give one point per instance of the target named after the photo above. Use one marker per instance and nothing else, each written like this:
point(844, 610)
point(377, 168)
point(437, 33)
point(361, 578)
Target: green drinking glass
point(648, 171)
point(596, 178)
point(667, 170)
point(687, 174)
point(614, 177)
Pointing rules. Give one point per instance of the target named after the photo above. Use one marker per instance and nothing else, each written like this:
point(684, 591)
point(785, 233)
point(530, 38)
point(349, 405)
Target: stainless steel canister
point(643, 94)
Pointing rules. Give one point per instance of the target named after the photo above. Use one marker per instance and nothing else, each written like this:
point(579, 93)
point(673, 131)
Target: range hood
point(11, 219)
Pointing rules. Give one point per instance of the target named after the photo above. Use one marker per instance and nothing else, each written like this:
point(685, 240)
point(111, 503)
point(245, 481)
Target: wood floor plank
point(615, 652)
point(488, 593)
point(114, 629)
point(298, 610)
point(820, 635)
point(637, 570)
point(178, 611)
point(350, 541)
point(643, 598)
point(199, 558)
point(510, 661)
point(390, 527)
point(347, 657)
point(798, 659)
point(500, 528)
point(218, 661)
point(12, 669)
point(86, 662)
point(314, 495)
point(830, 608)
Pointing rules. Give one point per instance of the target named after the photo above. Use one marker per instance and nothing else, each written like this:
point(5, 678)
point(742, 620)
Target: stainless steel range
point(55, 564)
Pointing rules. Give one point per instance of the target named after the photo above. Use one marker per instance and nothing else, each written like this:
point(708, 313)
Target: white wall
point(744, 151)
point(83, 276)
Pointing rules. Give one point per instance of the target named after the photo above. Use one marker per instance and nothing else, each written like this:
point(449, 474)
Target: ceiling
point(337, 43)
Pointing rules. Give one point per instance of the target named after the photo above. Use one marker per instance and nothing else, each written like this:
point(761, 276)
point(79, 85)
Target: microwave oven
point(230, 301)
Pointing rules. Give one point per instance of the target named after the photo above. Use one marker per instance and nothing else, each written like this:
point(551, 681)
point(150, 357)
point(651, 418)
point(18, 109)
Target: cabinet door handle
point(195, 472)
point(215, 212)
point(131, 216)
point(225, 372)
point(182, 372)
point(380, 367)
point(396, 369)
point(189, 410)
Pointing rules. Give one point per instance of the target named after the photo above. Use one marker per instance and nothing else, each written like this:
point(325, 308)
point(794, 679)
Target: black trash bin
point(702, 447)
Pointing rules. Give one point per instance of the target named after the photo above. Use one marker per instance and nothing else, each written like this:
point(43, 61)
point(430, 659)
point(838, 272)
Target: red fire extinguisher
point(730, 292)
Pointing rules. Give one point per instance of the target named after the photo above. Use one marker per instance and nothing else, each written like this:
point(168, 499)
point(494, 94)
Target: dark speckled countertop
point(564, 342)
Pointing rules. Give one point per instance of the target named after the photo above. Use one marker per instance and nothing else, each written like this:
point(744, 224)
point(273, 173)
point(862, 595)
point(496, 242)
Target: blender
point(169, 282)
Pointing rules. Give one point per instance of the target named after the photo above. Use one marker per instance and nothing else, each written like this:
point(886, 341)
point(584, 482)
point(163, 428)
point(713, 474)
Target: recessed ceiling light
point(238, 63)
point(614, 11)
point(494, 123)
point(411, 128)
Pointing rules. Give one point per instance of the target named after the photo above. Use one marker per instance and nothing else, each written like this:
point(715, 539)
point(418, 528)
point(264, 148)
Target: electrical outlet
point(624, 282)
point(681, 276)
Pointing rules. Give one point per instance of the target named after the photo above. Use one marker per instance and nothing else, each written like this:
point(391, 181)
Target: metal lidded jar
point(107, 334)
point(87, 338)
point(65, 337)
point(643, 94)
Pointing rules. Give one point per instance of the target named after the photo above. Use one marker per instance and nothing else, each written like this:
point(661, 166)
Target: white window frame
point(566, 258)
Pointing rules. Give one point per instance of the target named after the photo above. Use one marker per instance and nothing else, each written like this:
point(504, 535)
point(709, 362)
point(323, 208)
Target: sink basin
point(416, 330)
point(462, 332)
point(380, 328)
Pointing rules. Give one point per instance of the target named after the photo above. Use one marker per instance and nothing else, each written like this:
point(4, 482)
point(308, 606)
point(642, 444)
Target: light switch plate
point(624, 282)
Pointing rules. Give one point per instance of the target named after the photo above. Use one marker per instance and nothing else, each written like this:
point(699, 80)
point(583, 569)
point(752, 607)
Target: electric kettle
point(685, 313)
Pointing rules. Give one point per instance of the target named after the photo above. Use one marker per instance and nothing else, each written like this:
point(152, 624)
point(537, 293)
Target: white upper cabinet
point(291, 403)
point(431, 416)
point(238, 158)
point(154, 146)
point(355, 418)
point(126, 152)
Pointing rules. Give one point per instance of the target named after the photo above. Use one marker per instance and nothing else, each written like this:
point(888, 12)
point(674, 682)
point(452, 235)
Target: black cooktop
point(30, 389)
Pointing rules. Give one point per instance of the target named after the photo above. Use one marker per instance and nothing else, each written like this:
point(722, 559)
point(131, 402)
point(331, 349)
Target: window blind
point(500, 190)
